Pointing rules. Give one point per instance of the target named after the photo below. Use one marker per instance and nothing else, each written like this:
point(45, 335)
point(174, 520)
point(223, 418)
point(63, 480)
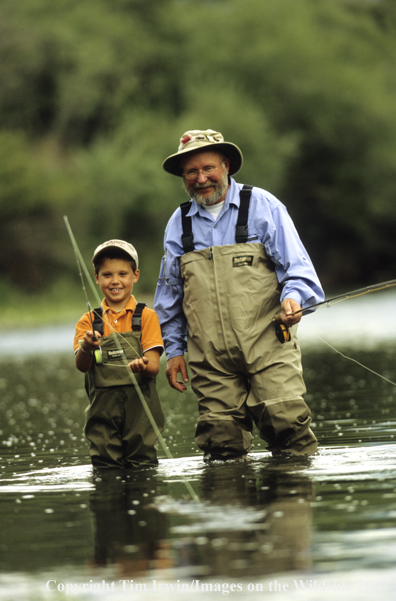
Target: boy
point(117, 424)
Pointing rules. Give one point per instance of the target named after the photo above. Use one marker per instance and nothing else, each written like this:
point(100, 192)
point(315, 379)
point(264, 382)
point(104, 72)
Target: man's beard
point(219, 188)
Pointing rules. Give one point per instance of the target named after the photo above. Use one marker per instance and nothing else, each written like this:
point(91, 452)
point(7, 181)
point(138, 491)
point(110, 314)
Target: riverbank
point(60, 305)
point(31, 311)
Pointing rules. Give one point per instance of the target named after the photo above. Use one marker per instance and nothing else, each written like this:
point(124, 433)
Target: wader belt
point(241, 230)
point(136, 318)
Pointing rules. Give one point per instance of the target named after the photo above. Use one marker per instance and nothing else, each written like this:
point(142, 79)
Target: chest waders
point(241, 373)
point(117, 425)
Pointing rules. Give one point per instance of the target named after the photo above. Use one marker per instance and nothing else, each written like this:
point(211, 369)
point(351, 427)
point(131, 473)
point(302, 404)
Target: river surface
point(317, 528)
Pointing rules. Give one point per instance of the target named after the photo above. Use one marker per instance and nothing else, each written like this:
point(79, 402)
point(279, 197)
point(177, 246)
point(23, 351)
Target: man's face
point(206, 189)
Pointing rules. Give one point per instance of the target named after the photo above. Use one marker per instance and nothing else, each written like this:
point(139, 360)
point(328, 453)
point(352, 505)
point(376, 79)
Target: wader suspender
point(136, 318)
point(187, 236)
point(241, 230)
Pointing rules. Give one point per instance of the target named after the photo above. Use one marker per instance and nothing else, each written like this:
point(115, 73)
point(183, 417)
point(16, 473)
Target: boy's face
point(116, 279)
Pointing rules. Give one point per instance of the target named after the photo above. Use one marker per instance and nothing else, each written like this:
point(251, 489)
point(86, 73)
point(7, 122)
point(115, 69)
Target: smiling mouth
point(203, 188)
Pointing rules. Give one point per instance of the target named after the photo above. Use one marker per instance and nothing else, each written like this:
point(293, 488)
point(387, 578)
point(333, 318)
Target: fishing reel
point(282, 331)
point(97, 355)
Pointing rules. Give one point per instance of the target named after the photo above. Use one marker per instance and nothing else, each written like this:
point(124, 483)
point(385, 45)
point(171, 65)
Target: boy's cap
point(125, 246)
point(195, 140)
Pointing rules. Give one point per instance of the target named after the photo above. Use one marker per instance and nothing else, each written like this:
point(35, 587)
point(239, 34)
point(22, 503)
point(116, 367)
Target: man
point(233, 262)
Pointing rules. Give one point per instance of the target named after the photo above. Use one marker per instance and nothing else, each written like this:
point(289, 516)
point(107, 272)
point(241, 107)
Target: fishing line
point(355, 361)
point(282, 330)
point(131, 374)
point(283, 333)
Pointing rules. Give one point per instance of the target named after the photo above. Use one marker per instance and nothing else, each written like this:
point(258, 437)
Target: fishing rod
point(348, 295)
point(81, 264)
point(78, 259)
point(282, 330)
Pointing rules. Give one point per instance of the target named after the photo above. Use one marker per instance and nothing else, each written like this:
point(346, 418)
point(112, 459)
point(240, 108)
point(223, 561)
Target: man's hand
point(174, 366)
point(290, 306)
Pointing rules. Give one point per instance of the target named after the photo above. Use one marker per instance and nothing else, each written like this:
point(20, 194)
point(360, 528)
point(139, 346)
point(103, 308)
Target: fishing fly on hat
point(201, 140)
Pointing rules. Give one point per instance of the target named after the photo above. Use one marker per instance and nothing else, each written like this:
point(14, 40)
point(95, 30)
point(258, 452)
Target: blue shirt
point(268, 223)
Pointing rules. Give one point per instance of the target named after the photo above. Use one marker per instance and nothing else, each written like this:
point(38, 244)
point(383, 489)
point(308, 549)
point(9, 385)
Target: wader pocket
point(113, 371)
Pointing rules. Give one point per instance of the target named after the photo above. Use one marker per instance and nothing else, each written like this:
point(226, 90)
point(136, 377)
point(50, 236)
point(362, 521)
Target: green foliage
point(32, 192)
point(94, 94)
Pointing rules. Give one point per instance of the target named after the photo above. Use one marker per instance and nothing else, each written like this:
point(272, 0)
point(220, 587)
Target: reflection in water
point(279, 536)
point(251, 522)
point(128, 529)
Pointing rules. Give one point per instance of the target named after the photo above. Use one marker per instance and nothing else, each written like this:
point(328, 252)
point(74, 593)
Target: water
point(299, 528)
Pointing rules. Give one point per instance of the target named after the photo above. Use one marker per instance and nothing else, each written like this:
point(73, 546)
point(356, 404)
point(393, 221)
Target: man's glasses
point(207, 172)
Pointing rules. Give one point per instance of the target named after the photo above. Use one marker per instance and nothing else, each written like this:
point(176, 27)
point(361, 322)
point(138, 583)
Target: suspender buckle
point(241, 233)
point(137, 317)
point(241, 230)
point(187, 237)
point(188, 242)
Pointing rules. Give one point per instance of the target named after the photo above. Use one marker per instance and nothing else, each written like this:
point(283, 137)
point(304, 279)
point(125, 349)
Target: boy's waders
point(117, 425)
point(241, 373)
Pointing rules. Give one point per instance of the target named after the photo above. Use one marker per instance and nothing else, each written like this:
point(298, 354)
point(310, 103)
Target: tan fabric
point(241, 373)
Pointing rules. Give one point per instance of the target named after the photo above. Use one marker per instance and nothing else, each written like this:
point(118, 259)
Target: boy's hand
point(84, 354)
point(88, 343)
point(138, 366)
point(148, 365)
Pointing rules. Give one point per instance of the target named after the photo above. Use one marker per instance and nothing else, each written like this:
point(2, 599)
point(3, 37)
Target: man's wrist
point(174, 350)
point(292, 296)
point(172, 355)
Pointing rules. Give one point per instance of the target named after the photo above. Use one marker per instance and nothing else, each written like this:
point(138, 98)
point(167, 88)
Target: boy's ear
point(136, 276)
point(96, 278)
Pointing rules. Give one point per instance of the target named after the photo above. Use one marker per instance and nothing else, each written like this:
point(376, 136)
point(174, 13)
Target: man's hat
point(125, 246)
point(196, 140)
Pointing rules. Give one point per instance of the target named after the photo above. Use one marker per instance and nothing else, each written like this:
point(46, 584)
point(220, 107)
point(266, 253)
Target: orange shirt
point(114, 321)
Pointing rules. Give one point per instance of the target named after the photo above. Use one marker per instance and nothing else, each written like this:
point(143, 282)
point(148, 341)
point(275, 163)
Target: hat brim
point(172, 164)
point(100, 251)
